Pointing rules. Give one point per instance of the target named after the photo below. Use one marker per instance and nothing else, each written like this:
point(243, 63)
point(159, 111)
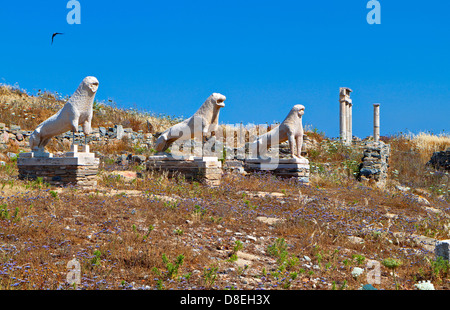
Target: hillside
point(142, 230)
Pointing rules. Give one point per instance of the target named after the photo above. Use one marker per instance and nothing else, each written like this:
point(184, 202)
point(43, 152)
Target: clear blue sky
point(265, 56)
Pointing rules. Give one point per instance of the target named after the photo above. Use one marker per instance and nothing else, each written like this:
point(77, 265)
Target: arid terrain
point(142, 230)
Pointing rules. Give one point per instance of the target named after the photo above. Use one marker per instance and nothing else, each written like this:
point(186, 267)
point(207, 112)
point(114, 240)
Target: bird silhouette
point(55, 34)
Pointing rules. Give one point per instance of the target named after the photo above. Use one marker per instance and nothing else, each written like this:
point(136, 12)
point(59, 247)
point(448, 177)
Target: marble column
point(376, 122)
point(349, 123)
point(345, 120)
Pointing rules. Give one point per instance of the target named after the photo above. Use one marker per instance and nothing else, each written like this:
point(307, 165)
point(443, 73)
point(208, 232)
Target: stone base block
point(442, 249)
point(375, 162)
point(207, 170)
point(281, 167)
point(60, 171)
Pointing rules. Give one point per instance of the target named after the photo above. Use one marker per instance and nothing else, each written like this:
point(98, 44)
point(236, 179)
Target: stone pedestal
point(442, 249)
point(207, 170)
point(75, 168)
point(281, 167)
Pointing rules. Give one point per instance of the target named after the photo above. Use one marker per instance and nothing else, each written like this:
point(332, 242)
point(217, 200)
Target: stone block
point(75, 168)
point(207, 170)
point(440, 160)
point(139, 159)
point(375, 162)
point(281, 167)
point(14, 128)
point(102, 131)
point(19, 136)
point(442, 249)
point(119, 132)
point(4, 137)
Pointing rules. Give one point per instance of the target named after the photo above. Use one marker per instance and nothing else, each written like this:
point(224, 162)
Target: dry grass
point(427, 144)
point(408, 163)
point(28, 111)
point(120, 238)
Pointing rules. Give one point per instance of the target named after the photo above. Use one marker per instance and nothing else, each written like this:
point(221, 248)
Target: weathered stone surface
point(79, 170)
point(14, 128)
point(119, 132)
point(207, 170)
point(139, 159)
point(102, 131)
point(375, 162)
point(269, 220)
point(282, 167)
point(440, 160)
point(345, 117)
point(442, 249)
point(19, 136)
point(234, 165)
point(415, 240)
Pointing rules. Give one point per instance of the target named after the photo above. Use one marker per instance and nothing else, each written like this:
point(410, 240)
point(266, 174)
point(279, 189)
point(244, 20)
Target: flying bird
point(55, 34)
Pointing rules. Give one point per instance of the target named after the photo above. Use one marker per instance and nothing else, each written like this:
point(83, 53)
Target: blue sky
point(265, 56)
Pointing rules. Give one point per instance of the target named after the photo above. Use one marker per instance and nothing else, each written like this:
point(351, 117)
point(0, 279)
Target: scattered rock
point(263, 194)
point(119, 132)
point(11, 155)
point(269, 220)
point(4, 138)
point(102, 130)
point(14, 128)
point(245, 259)
point(415, 240)
point(440, 160)
point(355, 240)
point(391, 216)
point(127, 175)
point(402, 188)
point(432, 210)
point(421, 200)
point(139, 159)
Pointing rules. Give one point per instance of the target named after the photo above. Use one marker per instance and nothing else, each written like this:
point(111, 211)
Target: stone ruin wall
point(375, 162)
point(440, 160)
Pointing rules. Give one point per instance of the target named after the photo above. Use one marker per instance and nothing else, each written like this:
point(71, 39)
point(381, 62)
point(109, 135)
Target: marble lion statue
point(291, 129)
point(204, 122)
point(78, 110)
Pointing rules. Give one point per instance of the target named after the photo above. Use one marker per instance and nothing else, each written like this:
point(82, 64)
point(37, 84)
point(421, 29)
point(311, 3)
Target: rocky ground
point(252, 232)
